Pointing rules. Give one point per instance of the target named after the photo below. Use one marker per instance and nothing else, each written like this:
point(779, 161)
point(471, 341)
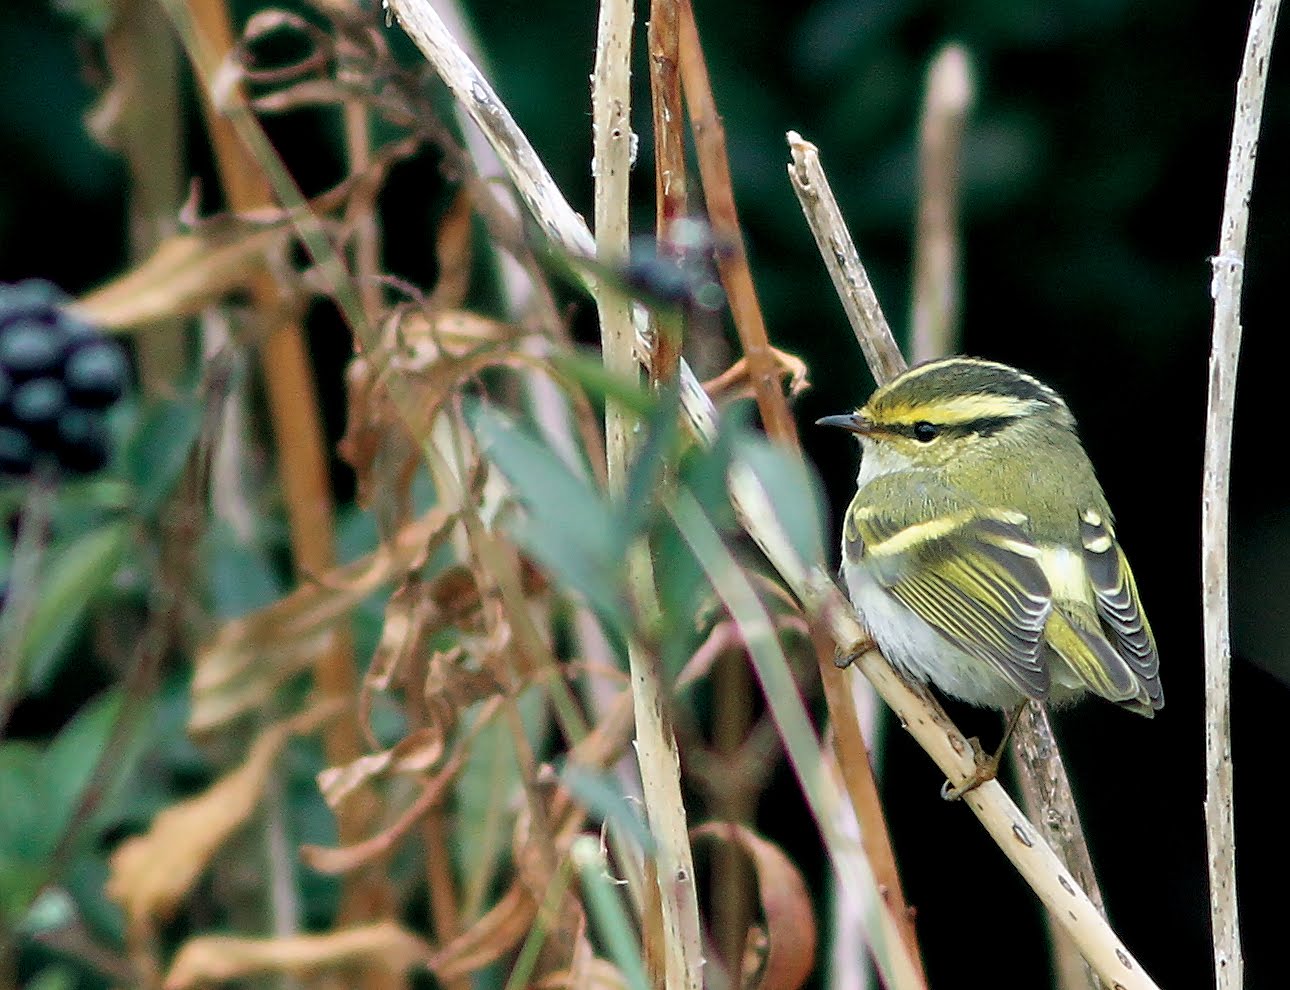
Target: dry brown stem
point(736, 277)
point(293, 406)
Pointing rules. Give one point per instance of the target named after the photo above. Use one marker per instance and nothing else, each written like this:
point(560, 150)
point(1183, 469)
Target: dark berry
point(96, 374)
point(16, 451)
point(38, 403)
point(31, 348)
point(83, 441)
point(32, 299)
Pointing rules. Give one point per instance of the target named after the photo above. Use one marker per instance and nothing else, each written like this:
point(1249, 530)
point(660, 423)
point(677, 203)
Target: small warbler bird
point(979, 548)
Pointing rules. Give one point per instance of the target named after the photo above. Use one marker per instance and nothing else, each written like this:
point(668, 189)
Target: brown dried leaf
point(151, 873)
point(415, 613)
point(185, 274)
point(489, 938)
point(347, 858)
point(790, 921)
point(414, 753)
point(736, 381)
point(452, 249)
point(384, 946)
point(430, 357)
point(411, 616)
point(251, 656)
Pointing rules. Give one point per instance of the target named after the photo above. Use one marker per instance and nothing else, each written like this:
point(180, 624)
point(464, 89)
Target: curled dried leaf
point(186, 273)
point(264, 23)
point(299, 95)
point(489, 938)
point(221, 254)
point(250, 657)
point(453, 253)
point(785, 904)
point(150, 874)
point(384, 946)
point(414, 753)
point(417, 612)
point(594, 974)
point(347, 858)
point(429, 358)
point(736, 381)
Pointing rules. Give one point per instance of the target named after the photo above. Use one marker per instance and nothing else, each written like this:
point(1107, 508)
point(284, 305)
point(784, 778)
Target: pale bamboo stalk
point(935, 317)
point(681, 944)
point(1229, 270)
point(851, 281)
point(918, 711)
point(526, 299)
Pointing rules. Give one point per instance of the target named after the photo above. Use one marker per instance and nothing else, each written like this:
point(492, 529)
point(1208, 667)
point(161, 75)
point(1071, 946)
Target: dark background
point(1093, 184)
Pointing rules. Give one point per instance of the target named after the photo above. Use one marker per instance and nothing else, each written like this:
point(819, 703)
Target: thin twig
point(671, 194)
point(934, 327)
point(1229, 269)
point(681, 949)
point(843, 262)
point(1047, 797)
point(1041, 772)
point(732, 260)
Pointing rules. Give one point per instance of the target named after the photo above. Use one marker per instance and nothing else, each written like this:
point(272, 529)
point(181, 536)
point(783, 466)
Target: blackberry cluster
point(58, 377)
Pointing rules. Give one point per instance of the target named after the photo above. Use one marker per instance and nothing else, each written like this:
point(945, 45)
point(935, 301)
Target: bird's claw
point(845, 658)
point(987, 768)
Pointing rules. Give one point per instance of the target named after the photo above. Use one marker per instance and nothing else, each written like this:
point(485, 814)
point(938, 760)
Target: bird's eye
point(925, 432)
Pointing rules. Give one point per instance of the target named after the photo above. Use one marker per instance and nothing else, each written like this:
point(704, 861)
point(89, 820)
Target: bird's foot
point(845, 658)
point(987, 768)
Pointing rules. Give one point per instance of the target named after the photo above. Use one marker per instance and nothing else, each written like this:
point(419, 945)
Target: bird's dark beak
point(852, 421)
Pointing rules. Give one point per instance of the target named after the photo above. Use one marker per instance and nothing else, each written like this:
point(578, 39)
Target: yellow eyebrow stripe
point(961, 409)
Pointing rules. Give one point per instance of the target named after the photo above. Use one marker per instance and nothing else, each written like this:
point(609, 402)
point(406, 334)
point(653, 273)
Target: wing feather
point(1116, 597)
point(974, 577)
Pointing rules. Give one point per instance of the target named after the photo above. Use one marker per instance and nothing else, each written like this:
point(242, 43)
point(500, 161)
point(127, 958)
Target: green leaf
point(75, 574)
point(784, 702)
point(24, 842)
point(485, 793)
point(793, 491)
point(590, 373)
point(242, 577)
point(567, 525)
point(53, 978)
point(73, 756)
point(158, 450)
point(703, 470)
